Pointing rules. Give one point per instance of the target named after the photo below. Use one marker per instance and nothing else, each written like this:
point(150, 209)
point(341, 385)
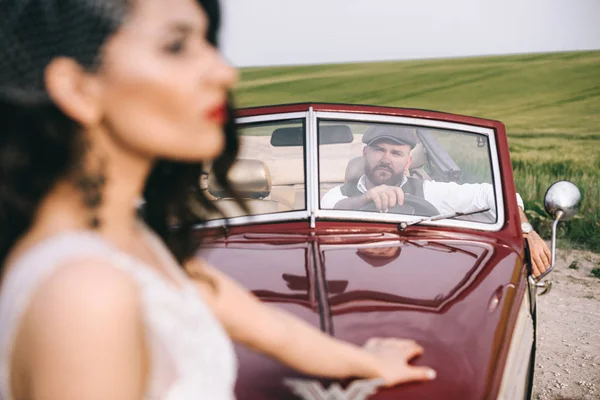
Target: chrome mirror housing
point(562, 201)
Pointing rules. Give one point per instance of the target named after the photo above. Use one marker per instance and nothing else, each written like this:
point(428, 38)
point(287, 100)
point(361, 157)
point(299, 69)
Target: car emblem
point(313, 390)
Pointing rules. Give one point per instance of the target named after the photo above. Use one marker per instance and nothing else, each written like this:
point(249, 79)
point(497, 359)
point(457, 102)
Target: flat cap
point(401, 134)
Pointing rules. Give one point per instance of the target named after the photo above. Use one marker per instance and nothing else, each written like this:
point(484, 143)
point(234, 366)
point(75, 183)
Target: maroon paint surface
point(437, 291)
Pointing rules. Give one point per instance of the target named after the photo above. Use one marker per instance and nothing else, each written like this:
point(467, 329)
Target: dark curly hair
point(38, 142)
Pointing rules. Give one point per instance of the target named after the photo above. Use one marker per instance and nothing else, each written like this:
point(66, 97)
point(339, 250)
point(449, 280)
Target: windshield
point(406, 169)
point(378, 169)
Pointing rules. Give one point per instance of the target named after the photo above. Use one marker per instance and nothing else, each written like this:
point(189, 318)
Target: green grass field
point(550, 104)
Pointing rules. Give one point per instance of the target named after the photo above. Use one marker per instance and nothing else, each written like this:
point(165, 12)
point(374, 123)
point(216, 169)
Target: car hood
point(452, 296)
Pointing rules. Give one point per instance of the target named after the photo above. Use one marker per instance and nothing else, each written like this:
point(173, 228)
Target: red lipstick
point(218, 114)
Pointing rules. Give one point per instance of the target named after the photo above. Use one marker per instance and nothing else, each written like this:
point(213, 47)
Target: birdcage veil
point(33, 32)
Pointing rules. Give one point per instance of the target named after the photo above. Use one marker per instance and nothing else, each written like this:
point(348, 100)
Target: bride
point(102, 103)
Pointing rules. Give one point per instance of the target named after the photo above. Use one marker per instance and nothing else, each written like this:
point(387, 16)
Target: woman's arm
point(299, 345)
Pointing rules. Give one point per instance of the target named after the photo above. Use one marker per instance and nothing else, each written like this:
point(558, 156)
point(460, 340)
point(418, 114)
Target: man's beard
point(390, 178)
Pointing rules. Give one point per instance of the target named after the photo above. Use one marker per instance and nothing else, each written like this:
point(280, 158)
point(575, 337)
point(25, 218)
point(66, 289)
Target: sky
point(295, 32)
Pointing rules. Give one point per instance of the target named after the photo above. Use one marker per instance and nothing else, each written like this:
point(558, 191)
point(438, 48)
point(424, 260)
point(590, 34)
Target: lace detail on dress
point(191, 355)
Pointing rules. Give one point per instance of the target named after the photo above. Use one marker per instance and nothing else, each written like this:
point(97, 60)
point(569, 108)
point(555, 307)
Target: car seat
point(252, 180)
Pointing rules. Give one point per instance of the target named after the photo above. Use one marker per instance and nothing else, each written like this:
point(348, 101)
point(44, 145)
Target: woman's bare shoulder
point(85, 292)
point(93, 280)
point(84, 319)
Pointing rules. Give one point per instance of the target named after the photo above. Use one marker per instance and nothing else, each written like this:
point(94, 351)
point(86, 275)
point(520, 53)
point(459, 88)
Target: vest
point(412, 186)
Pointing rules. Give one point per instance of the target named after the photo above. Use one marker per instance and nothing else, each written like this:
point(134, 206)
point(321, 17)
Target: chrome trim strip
point(256, 219)
point(367, 216)
point(496, 176)
point(405, 241)
point(379, 217)
point(516, 368)
point(431, 123)
point(271, 117)
point(312, 167)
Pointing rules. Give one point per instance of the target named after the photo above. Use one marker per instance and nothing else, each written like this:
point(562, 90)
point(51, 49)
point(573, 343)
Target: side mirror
point(562, 201)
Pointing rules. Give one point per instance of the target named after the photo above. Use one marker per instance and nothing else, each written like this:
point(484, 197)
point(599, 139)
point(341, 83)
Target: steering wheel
point(413, 205)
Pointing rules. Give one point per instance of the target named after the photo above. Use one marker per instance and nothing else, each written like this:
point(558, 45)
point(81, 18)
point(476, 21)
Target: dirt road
point(568, 353)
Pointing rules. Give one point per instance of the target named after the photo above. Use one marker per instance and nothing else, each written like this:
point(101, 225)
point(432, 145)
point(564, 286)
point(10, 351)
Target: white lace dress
point(191, 356)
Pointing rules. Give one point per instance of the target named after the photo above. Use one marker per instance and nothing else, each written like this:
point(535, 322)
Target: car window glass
point(269, 171)
point(450, 170)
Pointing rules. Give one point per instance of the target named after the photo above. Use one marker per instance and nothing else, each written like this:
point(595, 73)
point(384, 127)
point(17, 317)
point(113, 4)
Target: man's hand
point(539, 253)
point(385, 197)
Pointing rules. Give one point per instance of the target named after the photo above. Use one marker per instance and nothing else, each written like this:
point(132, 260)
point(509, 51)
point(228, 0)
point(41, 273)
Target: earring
point(90, 183)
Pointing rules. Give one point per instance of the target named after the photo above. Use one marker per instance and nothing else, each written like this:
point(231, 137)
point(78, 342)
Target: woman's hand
point(299, 345)
point(392, 357)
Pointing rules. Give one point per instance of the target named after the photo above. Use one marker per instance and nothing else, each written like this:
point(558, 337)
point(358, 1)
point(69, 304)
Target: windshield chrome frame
point(397, 218)
point(312, 213)
point(312, 159)
point(294, 215)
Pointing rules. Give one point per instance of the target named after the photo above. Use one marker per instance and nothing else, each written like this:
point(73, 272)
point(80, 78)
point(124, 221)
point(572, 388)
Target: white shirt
point(447, 197)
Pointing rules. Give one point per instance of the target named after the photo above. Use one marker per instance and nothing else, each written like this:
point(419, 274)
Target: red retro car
point(448, 268)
